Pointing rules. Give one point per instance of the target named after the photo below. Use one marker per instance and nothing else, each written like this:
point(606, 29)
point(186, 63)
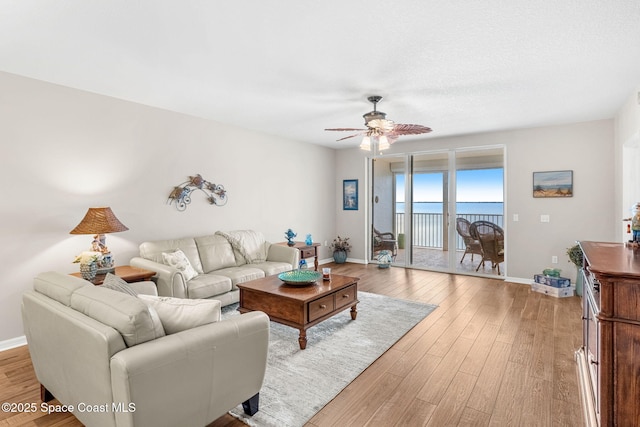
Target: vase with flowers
point(88, 264)
point(341, 248)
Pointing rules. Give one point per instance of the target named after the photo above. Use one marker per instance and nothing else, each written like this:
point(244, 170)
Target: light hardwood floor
point(492, 354)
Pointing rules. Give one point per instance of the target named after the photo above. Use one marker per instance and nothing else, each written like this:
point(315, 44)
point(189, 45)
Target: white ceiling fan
point(379, 130)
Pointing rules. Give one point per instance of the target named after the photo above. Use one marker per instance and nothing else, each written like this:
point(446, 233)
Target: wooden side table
point(306, 251)
point(126, 272)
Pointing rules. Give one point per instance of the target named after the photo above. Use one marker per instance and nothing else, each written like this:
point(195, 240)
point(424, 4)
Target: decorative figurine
point(309, 240)
point(289, 234)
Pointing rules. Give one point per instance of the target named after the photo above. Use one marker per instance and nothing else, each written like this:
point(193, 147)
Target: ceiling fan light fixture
point(366, 143)
point(383, 143)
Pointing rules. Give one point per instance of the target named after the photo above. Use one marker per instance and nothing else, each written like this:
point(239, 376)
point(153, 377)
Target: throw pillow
point(179, 260)
point(177, 314)
point(111, 281)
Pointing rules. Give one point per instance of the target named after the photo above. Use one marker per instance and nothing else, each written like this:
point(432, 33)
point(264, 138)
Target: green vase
point(340, 257)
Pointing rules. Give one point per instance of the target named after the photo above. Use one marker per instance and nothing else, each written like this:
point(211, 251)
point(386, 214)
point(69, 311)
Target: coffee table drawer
point(346, 296)
point(320, 307)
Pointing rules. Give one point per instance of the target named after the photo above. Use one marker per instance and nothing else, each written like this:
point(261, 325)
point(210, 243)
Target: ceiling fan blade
point(351, 136)
point(402, 129)
point(340, 129)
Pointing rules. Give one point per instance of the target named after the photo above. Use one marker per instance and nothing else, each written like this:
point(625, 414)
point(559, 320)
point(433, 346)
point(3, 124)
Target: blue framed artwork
point(350, 195)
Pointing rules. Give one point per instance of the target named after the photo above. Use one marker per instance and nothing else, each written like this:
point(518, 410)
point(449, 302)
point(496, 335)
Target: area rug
point(298, 383)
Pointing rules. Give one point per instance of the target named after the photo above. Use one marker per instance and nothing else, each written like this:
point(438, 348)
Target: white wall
point(585, 148)
point(627, 158)
point(63, 151)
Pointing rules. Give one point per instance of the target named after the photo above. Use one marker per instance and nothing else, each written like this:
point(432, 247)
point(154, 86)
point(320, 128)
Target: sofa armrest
point(169, 280)
point(212, 368)
point(283, 254)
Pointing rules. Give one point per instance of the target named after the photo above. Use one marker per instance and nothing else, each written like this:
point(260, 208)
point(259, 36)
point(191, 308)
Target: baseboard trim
point(13, 343)
point(518, 280)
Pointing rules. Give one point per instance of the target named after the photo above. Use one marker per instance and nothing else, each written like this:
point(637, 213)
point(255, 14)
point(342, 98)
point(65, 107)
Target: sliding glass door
point(479, 199)
point(421, 201)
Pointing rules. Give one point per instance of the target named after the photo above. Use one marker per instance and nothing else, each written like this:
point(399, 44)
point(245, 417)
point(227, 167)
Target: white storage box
point(552, 291)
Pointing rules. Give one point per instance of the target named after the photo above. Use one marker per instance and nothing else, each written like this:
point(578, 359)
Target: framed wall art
point(553, 184)
point(350, 195)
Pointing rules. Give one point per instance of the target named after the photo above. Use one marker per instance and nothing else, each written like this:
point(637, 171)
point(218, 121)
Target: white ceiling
point(295, 67)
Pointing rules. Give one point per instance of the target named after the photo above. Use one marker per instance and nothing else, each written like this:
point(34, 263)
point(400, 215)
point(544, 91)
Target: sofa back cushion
point(215, 253)
point(58, 286)
point(249, 246)
point(125, 313)
point(153, 251)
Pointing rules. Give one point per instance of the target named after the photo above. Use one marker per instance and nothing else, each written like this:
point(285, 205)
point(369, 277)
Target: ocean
point(486, 208)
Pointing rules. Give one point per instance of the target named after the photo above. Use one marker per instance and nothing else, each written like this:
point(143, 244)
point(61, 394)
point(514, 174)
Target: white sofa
point(105, 354)
point(220, 261)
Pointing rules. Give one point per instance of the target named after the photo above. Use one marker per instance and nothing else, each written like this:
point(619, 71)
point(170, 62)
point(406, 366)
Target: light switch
point(544, 218)
point(516, 218)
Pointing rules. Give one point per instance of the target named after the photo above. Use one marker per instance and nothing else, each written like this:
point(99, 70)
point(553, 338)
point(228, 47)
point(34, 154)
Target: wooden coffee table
point(300, 307)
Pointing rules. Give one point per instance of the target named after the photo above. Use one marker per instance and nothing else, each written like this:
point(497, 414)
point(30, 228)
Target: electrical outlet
point(544, 218)
point(325, 243)
point(554, 259)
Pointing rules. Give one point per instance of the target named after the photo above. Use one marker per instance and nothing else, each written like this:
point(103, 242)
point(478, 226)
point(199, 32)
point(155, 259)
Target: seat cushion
point(272, 267)
point(241, 274)
point(177, 314)
point(208, 285)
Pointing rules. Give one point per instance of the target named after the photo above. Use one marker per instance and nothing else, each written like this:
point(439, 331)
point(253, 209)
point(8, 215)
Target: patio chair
point(491, 238)
point(472, 246)
point(385, 241)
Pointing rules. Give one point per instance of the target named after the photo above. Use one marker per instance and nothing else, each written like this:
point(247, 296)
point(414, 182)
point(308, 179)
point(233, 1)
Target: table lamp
point(100, 221)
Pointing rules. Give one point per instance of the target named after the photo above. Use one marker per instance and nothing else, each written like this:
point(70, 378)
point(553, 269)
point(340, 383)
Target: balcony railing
point(428, 228)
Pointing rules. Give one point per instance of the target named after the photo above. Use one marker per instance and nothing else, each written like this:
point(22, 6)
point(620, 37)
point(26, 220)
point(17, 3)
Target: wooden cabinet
point(609, 359)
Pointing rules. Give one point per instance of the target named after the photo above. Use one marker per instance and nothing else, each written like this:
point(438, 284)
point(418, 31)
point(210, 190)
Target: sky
point(477, 185)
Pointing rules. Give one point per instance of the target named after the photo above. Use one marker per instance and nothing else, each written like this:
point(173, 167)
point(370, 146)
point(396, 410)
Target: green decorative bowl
point(300, 277)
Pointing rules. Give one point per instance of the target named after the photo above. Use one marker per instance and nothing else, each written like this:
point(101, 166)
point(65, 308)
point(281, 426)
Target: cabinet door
point(592, 346)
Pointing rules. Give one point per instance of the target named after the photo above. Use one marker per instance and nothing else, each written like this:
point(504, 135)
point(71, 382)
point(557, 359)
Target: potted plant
point(576, 256)
point(341, 247)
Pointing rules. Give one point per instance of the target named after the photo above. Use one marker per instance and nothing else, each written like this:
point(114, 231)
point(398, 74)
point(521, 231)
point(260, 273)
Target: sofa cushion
point(58, 286)
point(208, 285)
point(153, 251)
point(273, 267)
point(179, 314)
point(126, 314)
point(249, 245)
point(115, 283)
point(241, 274)
point(215, 253)
point(179, 261)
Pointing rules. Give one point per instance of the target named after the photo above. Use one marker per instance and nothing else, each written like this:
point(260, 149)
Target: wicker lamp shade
point(99, 221)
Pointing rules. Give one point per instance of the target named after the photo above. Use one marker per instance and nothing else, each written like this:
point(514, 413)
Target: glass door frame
point(449, 213)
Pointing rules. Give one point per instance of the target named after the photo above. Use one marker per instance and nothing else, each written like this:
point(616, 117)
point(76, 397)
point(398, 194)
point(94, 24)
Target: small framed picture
point(350, 195)
point(553, 184)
